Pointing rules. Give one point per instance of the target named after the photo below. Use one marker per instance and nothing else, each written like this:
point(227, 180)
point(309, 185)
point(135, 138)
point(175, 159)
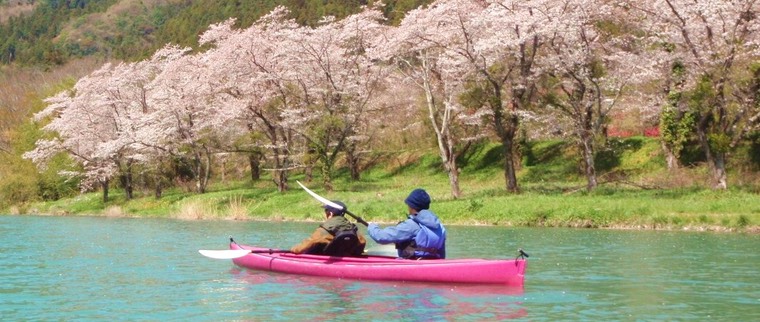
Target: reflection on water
point(380, 300)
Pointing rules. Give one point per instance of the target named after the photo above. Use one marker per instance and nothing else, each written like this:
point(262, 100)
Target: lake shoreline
point(753, 229)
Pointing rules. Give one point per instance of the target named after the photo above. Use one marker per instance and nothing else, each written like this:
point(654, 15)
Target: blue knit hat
point(336, 211)
point(418, 199)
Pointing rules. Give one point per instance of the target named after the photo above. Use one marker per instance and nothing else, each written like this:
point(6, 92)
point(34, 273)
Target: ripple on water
point(89, 268)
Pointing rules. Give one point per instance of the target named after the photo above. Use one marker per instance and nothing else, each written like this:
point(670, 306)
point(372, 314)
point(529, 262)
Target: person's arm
point(318, 236)
point(404, 231)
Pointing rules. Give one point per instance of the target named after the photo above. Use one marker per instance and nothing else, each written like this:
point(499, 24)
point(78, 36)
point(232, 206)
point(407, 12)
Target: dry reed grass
point(194, 210)
point(237, 209)
point(114, 211)
point(15, 9)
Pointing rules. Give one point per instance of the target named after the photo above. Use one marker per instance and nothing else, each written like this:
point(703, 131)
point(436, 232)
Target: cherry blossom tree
point(717, 43)
point(424, 50)
point(97, 122)
point(253, 67)
point(85, 125)
point(189, 115)
point(336, 81)
point(504, 43)
point(589, 65)
point(484, 47)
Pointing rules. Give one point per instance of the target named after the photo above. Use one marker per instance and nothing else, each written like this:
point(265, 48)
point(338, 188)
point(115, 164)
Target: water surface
point(95, 268)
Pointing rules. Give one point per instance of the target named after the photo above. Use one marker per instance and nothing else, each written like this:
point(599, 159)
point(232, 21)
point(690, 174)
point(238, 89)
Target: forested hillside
point(59, 30)
point(278, 91)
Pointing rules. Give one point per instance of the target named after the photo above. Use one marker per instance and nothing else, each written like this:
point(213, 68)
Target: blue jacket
point(430, 242)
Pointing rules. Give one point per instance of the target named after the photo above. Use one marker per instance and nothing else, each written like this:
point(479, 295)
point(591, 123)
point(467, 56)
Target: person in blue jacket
point(421, 236)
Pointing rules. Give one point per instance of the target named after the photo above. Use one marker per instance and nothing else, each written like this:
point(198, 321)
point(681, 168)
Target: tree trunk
point(446, 150)
point(126, 181)
point(510, 172)
point(353, 160)
point(105, 190)
point(670, 158)
point(453, 172)
point(206, 170)
point(279, 174)
point(159, 188)
point(506, 127)
point(281, 179)
point(202, 170)
point(254, 160)
point(309, 173)
point(587, 146)
point(441, 122)
point(720, 180)
point(715, 160)
point(327, 175)
point(280, 152)
point(585, 129)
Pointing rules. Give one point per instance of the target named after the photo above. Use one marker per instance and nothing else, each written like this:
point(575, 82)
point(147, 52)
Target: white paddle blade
point(320, 198)
point(224, 254)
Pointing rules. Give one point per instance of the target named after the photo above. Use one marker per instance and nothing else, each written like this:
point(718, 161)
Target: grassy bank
point(633, 194)
point(610, 208)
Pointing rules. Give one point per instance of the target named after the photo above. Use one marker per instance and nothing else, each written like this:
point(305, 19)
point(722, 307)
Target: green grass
point(552, 195)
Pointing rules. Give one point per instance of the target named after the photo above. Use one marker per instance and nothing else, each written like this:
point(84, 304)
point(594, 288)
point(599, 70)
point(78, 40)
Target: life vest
point(425, 245)
point(344, 243)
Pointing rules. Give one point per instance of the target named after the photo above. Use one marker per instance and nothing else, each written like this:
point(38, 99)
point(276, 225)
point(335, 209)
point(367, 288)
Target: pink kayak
point(484, 271)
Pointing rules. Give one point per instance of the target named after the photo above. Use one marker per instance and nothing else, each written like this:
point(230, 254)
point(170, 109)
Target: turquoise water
point(94, 269)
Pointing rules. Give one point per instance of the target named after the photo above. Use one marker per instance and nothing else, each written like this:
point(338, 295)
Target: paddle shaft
point(264, 251)
point(269, 251)
point(359, 219)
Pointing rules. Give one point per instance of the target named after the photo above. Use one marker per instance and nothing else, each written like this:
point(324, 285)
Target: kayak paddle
point(237, 253)
point(331, 204)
